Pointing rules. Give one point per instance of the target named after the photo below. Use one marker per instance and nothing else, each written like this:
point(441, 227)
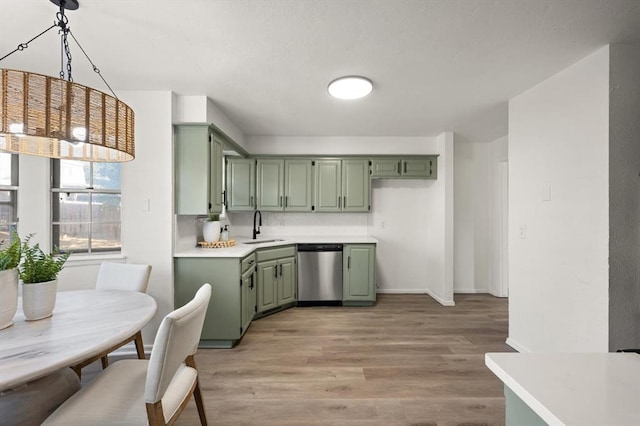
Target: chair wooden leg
point(78, 370)
point(139, 345)
point(197, 395)
point(155, 416)
point(105, 361)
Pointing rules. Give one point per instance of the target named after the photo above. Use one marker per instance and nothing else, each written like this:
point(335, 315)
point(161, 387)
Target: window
point(86, 206)
point(8, 195)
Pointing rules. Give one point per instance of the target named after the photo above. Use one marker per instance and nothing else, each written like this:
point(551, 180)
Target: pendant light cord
point(23, 46)
point(65, 30)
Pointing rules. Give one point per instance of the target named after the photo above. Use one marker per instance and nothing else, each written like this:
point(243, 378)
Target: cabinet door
point(241, 184)
point(192, 155)
point(355, 185)
point(215, 175)
point(327, 188)
point(420, 167)
point(270, 185)
point(247, 293)
point(267, 285)
point(297, 186)
point(359, 270)
point(385, 167)
point(286, 281)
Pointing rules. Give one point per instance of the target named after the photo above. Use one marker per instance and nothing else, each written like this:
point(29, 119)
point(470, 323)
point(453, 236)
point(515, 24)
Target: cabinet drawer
point(248, 262)
point(275, 253)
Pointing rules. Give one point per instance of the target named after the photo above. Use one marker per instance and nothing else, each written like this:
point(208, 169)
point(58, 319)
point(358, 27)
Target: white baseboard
point(441, 300)
point(470, 290)
point(517, 346)
point(416, 291)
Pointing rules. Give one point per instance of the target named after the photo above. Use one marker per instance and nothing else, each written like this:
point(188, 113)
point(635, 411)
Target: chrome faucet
point(256, 231)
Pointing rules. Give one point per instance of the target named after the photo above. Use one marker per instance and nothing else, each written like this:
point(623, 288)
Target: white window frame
point(55, 225)
point(13, 189)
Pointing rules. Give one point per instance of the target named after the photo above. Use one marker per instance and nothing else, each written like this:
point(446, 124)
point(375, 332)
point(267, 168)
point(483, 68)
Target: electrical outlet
point(281, 223)
point(522, 233)
point(383, 224)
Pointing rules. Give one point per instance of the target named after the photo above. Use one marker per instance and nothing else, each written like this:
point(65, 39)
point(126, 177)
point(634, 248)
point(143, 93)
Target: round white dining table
point(84, 324)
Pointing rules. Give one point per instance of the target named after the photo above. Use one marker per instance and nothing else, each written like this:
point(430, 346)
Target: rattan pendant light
point(55, 117)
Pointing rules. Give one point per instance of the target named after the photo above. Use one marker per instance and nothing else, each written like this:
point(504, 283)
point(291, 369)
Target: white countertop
point(574, 388)
point(241, 250)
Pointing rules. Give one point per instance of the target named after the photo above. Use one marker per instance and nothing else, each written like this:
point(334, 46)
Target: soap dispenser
point(224, 235)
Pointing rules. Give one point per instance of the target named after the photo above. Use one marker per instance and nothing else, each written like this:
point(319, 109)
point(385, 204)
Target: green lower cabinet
point(359, 274)
point(248, 294)
point(232, 305)
point(267, 285)
point(287, 282)
point(277, 278)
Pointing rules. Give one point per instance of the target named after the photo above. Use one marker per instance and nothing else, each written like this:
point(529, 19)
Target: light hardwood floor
point(406, 361)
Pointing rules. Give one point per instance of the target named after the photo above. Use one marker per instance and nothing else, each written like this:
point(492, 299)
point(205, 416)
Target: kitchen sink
point(261, 241)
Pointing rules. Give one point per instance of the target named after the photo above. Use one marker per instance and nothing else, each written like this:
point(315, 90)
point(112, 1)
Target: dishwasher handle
point(319, 247)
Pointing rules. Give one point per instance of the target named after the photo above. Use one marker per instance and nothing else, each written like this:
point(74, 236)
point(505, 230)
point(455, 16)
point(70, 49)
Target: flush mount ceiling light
point(350, 87)
point(55, 117)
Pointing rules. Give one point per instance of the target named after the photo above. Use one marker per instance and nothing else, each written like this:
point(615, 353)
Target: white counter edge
point(242, 250)
point(522, 393)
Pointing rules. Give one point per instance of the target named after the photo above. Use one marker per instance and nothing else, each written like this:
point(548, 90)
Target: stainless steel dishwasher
point(319, 274)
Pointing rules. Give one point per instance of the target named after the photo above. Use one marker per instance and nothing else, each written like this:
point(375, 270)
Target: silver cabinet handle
point(339, 202)
point(344, 202)
point(280, 203)
point(348, 262)
point(286, 201)
point(251, 201)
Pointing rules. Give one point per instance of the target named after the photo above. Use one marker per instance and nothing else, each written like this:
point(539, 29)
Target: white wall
point(340, 145)
point(147, 198)
point(477, 199)
point(201, 109)
point(397, 220)
point(624, 197)
point(558, 247)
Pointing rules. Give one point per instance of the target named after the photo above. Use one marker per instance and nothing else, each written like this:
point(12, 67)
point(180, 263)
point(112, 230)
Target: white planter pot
point(8, 297)
point(38, 300)
point(211, 231)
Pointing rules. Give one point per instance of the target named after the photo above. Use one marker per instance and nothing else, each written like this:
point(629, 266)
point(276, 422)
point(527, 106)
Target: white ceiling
point(436, 65)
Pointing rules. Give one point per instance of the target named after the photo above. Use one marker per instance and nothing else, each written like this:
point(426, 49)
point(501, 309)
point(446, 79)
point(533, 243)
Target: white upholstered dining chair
point(120, 276)
point(140, 392)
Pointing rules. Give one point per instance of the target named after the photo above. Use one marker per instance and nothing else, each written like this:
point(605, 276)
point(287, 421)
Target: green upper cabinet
point(241, 184)
point(386, 167)
point(298, 185)
point(414, 167)
point(284, 185)
point(328, 185)
point(270, 184)
point(217, 160)
point(198, 170)
point(359, 273)
point(342, 185)
point(355, 186)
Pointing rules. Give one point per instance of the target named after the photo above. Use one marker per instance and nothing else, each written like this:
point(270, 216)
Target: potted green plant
point(211, 228)
point(10, 253)
point(39, 275)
